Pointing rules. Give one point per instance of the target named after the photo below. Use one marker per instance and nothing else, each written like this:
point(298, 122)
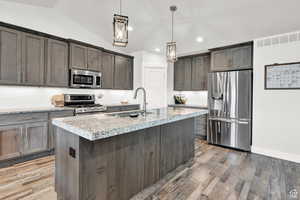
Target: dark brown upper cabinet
point(190, 73)
point(94, 59)
point(107, 70)
point(78, 56)
point(221, 60)
point(182, 74)
point(232, 58)
point(84, 57)
point(32, 58)
point(10, 56)
point(123, 73)
point(242, 57)
point(178, 74)
point(57, 63)
point(200, 68)
point(33, 62)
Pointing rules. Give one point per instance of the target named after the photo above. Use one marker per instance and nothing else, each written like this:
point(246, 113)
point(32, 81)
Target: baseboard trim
point(276, 154)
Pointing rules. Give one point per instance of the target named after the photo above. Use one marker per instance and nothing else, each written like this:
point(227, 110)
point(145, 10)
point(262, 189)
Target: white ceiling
point(219, 22)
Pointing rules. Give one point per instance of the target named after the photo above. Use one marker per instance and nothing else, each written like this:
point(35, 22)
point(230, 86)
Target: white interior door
point(155, 83)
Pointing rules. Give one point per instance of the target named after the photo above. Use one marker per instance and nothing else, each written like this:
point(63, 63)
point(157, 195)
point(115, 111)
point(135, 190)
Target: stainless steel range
point(83, 103)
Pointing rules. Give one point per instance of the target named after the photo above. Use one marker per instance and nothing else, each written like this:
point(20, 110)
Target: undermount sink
point(129, 114)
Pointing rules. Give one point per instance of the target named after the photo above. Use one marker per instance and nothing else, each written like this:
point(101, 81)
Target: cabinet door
point(123, 73)
point(10, 56)
point(205, 70)
point(187, 86)
point(10, 141)
point(94, 59)
point(179, 75)
point(57, 63)
point(120, 72)
point(128, 76)
point(200, 68)
point(33, 65)
point(221, 60)
point(242, 57)
point(35, 138)
point(78, 56)
point(107, 70)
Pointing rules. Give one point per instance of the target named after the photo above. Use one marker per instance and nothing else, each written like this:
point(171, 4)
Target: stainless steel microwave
point(85, 79)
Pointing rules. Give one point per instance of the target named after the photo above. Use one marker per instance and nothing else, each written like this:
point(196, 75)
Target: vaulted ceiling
point(219, 22)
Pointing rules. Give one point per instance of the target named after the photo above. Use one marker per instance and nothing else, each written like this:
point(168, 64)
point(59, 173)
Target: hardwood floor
point(215, 173)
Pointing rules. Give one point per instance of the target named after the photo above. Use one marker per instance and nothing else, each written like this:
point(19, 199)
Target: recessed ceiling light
point(130, 28)
point(199, 39)
point(157, 49)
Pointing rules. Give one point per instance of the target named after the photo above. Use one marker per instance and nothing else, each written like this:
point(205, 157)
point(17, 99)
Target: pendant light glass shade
point(171, 52)
point(120, 35)
point(171, 46)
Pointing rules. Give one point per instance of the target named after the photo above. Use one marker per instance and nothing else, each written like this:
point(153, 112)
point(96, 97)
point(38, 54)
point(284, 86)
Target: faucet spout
point(144, 98)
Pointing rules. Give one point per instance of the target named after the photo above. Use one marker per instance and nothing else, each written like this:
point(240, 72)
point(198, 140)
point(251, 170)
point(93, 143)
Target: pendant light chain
point(172, 24)
point(120, 7)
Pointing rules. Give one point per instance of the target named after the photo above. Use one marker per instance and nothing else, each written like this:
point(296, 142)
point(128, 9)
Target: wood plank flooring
point(215, 173)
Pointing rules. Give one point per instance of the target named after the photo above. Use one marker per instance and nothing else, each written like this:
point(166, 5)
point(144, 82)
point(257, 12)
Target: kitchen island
point(113, 157)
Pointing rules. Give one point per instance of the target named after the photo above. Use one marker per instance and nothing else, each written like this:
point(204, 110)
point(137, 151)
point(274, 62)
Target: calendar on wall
point(282, 76)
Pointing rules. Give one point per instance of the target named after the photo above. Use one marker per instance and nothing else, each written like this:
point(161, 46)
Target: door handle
point(217, 98)
point(243, 122)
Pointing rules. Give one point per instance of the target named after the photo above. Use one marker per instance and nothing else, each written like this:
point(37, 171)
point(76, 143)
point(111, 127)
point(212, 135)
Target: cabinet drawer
point(22, 118)
point(58, 114)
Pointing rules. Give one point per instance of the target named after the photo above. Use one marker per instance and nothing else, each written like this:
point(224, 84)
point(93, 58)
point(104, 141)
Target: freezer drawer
point(230, 133)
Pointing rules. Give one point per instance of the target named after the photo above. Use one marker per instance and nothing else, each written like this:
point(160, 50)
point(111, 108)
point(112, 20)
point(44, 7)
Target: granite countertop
point(32, 110)
point(99, 126)
point(119, 104)
point(188, 106)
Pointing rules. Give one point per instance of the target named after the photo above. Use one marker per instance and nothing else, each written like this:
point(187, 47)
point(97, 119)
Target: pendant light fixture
point(120, 28)
point(171, 46)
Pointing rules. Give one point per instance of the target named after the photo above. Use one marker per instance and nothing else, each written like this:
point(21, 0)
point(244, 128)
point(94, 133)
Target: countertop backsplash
point(31, 97)
point(198, 98)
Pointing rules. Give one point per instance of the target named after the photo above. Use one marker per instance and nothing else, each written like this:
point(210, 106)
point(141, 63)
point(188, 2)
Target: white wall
point(276, 112)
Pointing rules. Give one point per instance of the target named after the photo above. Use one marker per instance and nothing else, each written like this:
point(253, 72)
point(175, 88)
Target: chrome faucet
point(145, 102)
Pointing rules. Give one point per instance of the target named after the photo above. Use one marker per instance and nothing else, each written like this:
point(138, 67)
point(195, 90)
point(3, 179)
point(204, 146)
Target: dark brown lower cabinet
point(10, 141)
point(119, 167)
point(27, 133)
point(35, 138)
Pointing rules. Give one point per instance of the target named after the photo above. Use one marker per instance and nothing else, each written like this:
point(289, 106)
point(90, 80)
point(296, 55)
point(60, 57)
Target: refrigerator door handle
point(218, 97)
point(242, 122)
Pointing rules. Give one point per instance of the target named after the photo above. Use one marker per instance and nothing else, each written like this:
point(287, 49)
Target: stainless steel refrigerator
point(230, 109)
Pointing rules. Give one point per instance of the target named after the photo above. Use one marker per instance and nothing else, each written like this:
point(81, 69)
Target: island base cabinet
point(119, 167)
